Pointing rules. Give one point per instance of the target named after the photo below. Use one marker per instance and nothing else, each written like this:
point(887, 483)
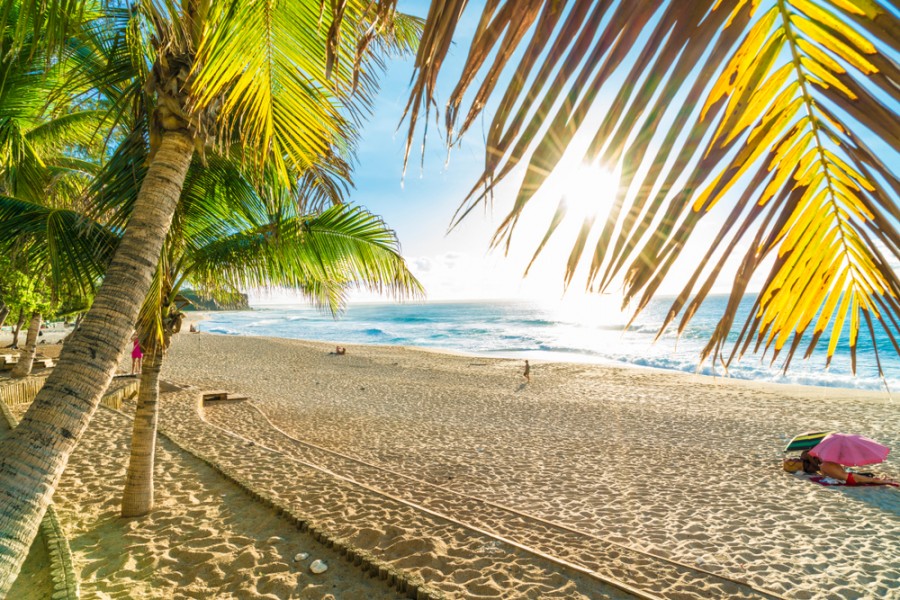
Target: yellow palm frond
point(781, 116)
point(286, 75)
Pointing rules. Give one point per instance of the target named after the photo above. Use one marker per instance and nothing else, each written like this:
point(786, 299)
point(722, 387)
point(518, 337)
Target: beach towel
point(828, 481)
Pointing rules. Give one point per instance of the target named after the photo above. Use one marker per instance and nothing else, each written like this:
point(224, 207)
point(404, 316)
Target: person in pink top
point(137, 356)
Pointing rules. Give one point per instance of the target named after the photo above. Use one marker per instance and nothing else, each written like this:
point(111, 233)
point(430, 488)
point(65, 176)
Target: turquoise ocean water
point(568, 332)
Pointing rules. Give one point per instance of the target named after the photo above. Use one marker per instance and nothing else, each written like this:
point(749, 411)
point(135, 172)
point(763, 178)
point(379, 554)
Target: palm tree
point(45, 163)
point(780, 98)
point(228, 236)
point(259, 78)
point(790, 105)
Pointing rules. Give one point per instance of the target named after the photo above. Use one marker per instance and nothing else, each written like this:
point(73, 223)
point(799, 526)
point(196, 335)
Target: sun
point(588, 190)
point(569, 212)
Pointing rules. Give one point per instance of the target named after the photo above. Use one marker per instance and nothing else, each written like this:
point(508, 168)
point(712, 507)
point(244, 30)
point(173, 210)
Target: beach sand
point(453, 469)
point(683, 467)
point(205, 538)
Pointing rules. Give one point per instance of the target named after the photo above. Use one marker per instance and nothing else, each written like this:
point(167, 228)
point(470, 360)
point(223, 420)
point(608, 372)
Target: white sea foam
point(517, 329)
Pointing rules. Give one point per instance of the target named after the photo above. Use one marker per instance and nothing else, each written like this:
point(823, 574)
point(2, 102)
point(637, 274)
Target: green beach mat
point(805, 441)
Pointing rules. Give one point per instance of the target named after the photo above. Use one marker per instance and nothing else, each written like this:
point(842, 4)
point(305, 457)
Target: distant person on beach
point(813, 465)
point(340, 351)
point(137, 355)
point(527, 373)
point(193, 329)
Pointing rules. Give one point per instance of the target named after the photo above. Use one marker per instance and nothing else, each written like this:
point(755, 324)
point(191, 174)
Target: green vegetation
point(254, 84)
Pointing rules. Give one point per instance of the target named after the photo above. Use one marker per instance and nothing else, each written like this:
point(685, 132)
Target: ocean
point(585, 331)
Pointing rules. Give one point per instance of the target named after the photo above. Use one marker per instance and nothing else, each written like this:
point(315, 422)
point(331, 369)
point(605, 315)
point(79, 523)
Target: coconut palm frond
point(49, 21)
point(70, 248)
point(77, 129)
point(344, 244)
point(21, 166)
point(116, 186)
point(283, 73)
point(778, 115)
point(324, 184)
point(368, 252)
point(107, 66)
point(265, 62)
point(218, 200)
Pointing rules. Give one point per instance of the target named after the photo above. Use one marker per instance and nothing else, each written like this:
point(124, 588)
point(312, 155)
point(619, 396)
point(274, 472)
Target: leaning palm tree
point(779, 116)
point(261, 79)
point(228, 236)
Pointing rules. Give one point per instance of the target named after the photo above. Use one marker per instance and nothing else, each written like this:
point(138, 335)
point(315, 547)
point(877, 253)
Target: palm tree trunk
point(34, 455)
point(137, 499)
point(19, 323)
point(4, 312)
point(26, 357)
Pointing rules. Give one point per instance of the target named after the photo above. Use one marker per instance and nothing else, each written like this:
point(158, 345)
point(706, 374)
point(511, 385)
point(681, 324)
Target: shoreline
point(528, 331)
point(539, 358)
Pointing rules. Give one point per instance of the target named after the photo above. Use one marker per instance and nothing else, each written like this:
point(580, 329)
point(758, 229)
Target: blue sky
point(459, 264)
point(420, 206)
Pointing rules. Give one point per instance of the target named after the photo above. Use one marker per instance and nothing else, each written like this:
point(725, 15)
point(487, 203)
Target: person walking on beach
point(527, 373)
point(137, 355)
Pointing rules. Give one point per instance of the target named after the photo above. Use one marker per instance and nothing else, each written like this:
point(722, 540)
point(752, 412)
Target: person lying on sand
point(340, 351)
point(813, 465)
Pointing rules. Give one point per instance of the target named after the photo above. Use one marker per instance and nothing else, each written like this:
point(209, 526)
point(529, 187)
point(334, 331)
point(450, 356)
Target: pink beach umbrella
point(850, 450)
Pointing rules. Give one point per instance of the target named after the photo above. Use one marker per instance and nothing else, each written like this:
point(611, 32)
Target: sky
point(420, 205)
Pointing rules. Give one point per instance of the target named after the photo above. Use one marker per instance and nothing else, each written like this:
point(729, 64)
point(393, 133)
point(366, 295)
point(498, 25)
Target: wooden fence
point(24, 390)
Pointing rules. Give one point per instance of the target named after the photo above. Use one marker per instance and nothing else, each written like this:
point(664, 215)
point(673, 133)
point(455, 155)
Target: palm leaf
point(344, 245)
point(71, 249)
point(764, 110)
point(66, 131)
point(50, 21)
point(282, 73)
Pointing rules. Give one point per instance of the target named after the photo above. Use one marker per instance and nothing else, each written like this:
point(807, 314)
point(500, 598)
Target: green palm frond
point(345, 245)
point(71, 249)
point(218, 200)
point(282, 74)
point(21, 168)
point(266, 60)
point(39, 158)
point(776, 113)
point(77, 129)
point(50, 21)
point(108, 63)
point(115, 188)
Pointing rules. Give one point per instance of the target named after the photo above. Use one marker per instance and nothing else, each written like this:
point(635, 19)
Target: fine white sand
point(454, 469)
point(679, 466)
